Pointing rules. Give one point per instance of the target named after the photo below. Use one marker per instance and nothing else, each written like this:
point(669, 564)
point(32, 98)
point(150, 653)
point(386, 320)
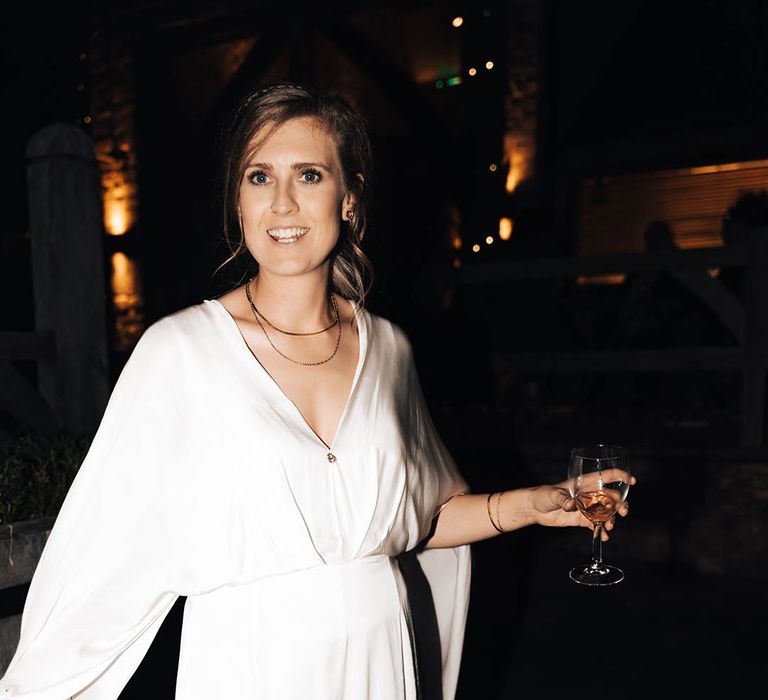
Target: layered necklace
point(263, 322)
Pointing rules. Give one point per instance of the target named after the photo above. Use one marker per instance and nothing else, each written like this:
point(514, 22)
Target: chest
point(319, 392)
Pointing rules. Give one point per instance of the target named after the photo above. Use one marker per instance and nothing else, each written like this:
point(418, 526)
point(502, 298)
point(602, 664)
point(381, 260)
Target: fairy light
point(476, 248)
point(472, 71)
point(489, 65)
point(489, 240)
point(457, 22)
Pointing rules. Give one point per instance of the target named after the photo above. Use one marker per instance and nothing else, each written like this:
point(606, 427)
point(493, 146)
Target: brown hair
point(272, 106)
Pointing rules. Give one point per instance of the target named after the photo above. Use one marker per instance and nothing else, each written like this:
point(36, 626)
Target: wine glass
point(598, 480)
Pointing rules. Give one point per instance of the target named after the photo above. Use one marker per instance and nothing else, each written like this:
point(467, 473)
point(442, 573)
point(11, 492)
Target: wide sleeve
point(108, 575)
point(446, 570)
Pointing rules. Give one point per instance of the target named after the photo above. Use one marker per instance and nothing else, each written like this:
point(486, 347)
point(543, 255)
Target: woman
point(267, 454)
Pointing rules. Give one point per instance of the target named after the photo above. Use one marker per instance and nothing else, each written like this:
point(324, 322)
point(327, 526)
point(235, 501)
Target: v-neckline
point(362, 351)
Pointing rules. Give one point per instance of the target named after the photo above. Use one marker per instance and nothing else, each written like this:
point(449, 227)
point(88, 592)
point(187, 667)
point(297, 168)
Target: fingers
point(606, 476)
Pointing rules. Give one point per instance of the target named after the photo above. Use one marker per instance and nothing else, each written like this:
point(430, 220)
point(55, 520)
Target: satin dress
point(204, 480)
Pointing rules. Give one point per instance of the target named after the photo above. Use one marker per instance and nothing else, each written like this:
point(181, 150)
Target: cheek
point(328, 210)
point(251, 203)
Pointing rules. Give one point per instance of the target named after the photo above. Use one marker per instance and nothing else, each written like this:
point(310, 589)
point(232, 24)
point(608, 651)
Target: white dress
point(205, 481)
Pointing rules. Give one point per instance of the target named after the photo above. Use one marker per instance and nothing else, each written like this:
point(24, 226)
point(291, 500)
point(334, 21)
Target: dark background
point(622, 87)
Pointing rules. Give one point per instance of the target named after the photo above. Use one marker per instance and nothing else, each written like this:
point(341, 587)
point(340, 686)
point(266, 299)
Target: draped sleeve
point(108, 575)
point(446, 570)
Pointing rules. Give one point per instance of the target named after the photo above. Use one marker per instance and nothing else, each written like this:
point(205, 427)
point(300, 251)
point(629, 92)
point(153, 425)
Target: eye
point(257, 177)
point(311, 176)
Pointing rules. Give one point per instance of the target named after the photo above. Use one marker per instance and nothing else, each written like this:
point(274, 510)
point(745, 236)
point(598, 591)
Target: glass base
point(602, 575)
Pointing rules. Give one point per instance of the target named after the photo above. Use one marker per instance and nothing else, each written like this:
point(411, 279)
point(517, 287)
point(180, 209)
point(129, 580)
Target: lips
point(287, 235)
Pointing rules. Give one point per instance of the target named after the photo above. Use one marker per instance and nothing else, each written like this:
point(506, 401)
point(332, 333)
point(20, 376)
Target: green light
point(439, 84)
point(456, 80)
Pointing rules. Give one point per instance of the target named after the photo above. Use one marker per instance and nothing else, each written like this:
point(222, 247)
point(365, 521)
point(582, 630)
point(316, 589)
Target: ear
point(349, 201)
point(347, 205)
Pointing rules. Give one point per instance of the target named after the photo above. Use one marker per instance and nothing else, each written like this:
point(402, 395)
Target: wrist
point(517, 509)
point(534, 500)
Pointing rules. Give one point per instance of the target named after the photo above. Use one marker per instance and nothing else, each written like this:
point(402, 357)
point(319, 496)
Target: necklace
point(280, 330)
point(337, 322)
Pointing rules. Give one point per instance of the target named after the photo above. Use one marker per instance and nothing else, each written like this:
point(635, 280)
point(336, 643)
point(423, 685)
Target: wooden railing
point(745, 317)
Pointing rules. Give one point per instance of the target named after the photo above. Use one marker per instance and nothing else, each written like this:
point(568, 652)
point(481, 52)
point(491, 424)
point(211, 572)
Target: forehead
point(296, 138)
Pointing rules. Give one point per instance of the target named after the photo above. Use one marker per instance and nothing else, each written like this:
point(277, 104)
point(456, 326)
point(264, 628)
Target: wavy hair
point(263, 111)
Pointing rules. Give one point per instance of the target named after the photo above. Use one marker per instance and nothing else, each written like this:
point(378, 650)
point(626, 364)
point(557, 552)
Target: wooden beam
point(24, 345)
point(685, 359)
point(23, 402)
point(552, 268)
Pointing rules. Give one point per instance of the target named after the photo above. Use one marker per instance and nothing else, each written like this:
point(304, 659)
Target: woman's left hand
point(554, 507)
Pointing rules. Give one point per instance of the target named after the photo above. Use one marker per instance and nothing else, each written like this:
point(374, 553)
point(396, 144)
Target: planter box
point(21, 545)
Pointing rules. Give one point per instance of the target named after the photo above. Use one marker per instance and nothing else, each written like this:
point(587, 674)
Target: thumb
point(567, 503)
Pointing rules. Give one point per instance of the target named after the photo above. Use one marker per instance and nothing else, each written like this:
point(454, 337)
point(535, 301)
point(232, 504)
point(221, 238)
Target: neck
point(299, 304)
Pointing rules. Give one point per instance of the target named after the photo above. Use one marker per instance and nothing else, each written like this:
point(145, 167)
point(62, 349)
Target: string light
point(489, 240)
point(472, 71)
point(493, 167)
point(476, 248)
point(489, 65)
point(457, 21)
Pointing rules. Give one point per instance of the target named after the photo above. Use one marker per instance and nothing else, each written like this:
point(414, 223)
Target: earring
point(350, 215)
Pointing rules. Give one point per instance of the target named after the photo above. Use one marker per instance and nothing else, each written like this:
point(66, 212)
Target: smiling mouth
point(287, 235)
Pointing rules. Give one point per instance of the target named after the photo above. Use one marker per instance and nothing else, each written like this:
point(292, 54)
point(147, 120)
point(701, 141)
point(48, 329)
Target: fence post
point(65, 214)
point(755, 368)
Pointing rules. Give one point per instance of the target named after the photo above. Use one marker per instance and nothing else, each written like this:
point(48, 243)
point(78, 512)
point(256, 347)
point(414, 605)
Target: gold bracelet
point(498, 517)
point(490, 517)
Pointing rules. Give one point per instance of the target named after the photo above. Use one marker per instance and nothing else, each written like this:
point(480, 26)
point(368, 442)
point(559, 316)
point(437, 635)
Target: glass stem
point(597, 546)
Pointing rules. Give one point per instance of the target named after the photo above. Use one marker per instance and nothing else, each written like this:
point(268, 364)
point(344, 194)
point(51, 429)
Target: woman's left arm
point(470, 518)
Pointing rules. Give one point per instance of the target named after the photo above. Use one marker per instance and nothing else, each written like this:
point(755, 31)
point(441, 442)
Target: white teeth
point(287, 235)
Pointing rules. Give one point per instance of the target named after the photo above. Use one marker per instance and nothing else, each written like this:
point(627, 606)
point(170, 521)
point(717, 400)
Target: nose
point(284, 201)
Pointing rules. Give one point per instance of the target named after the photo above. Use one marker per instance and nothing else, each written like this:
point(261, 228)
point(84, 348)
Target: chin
point(293, 268)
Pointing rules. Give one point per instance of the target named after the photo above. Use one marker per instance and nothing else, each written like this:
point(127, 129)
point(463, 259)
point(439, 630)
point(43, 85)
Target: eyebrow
point(294, 166)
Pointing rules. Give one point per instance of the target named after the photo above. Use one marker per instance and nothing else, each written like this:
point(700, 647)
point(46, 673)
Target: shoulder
point(387, 335)
point(170, 332)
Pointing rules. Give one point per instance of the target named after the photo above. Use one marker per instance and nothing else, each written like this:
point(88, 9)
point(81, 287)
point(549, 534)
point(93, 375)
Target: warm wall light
point(457, 21)
point(505, 228)
point(118, 214)
point(126, 287)
point(127, 301)
point(606, 278)
point(518, 154)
